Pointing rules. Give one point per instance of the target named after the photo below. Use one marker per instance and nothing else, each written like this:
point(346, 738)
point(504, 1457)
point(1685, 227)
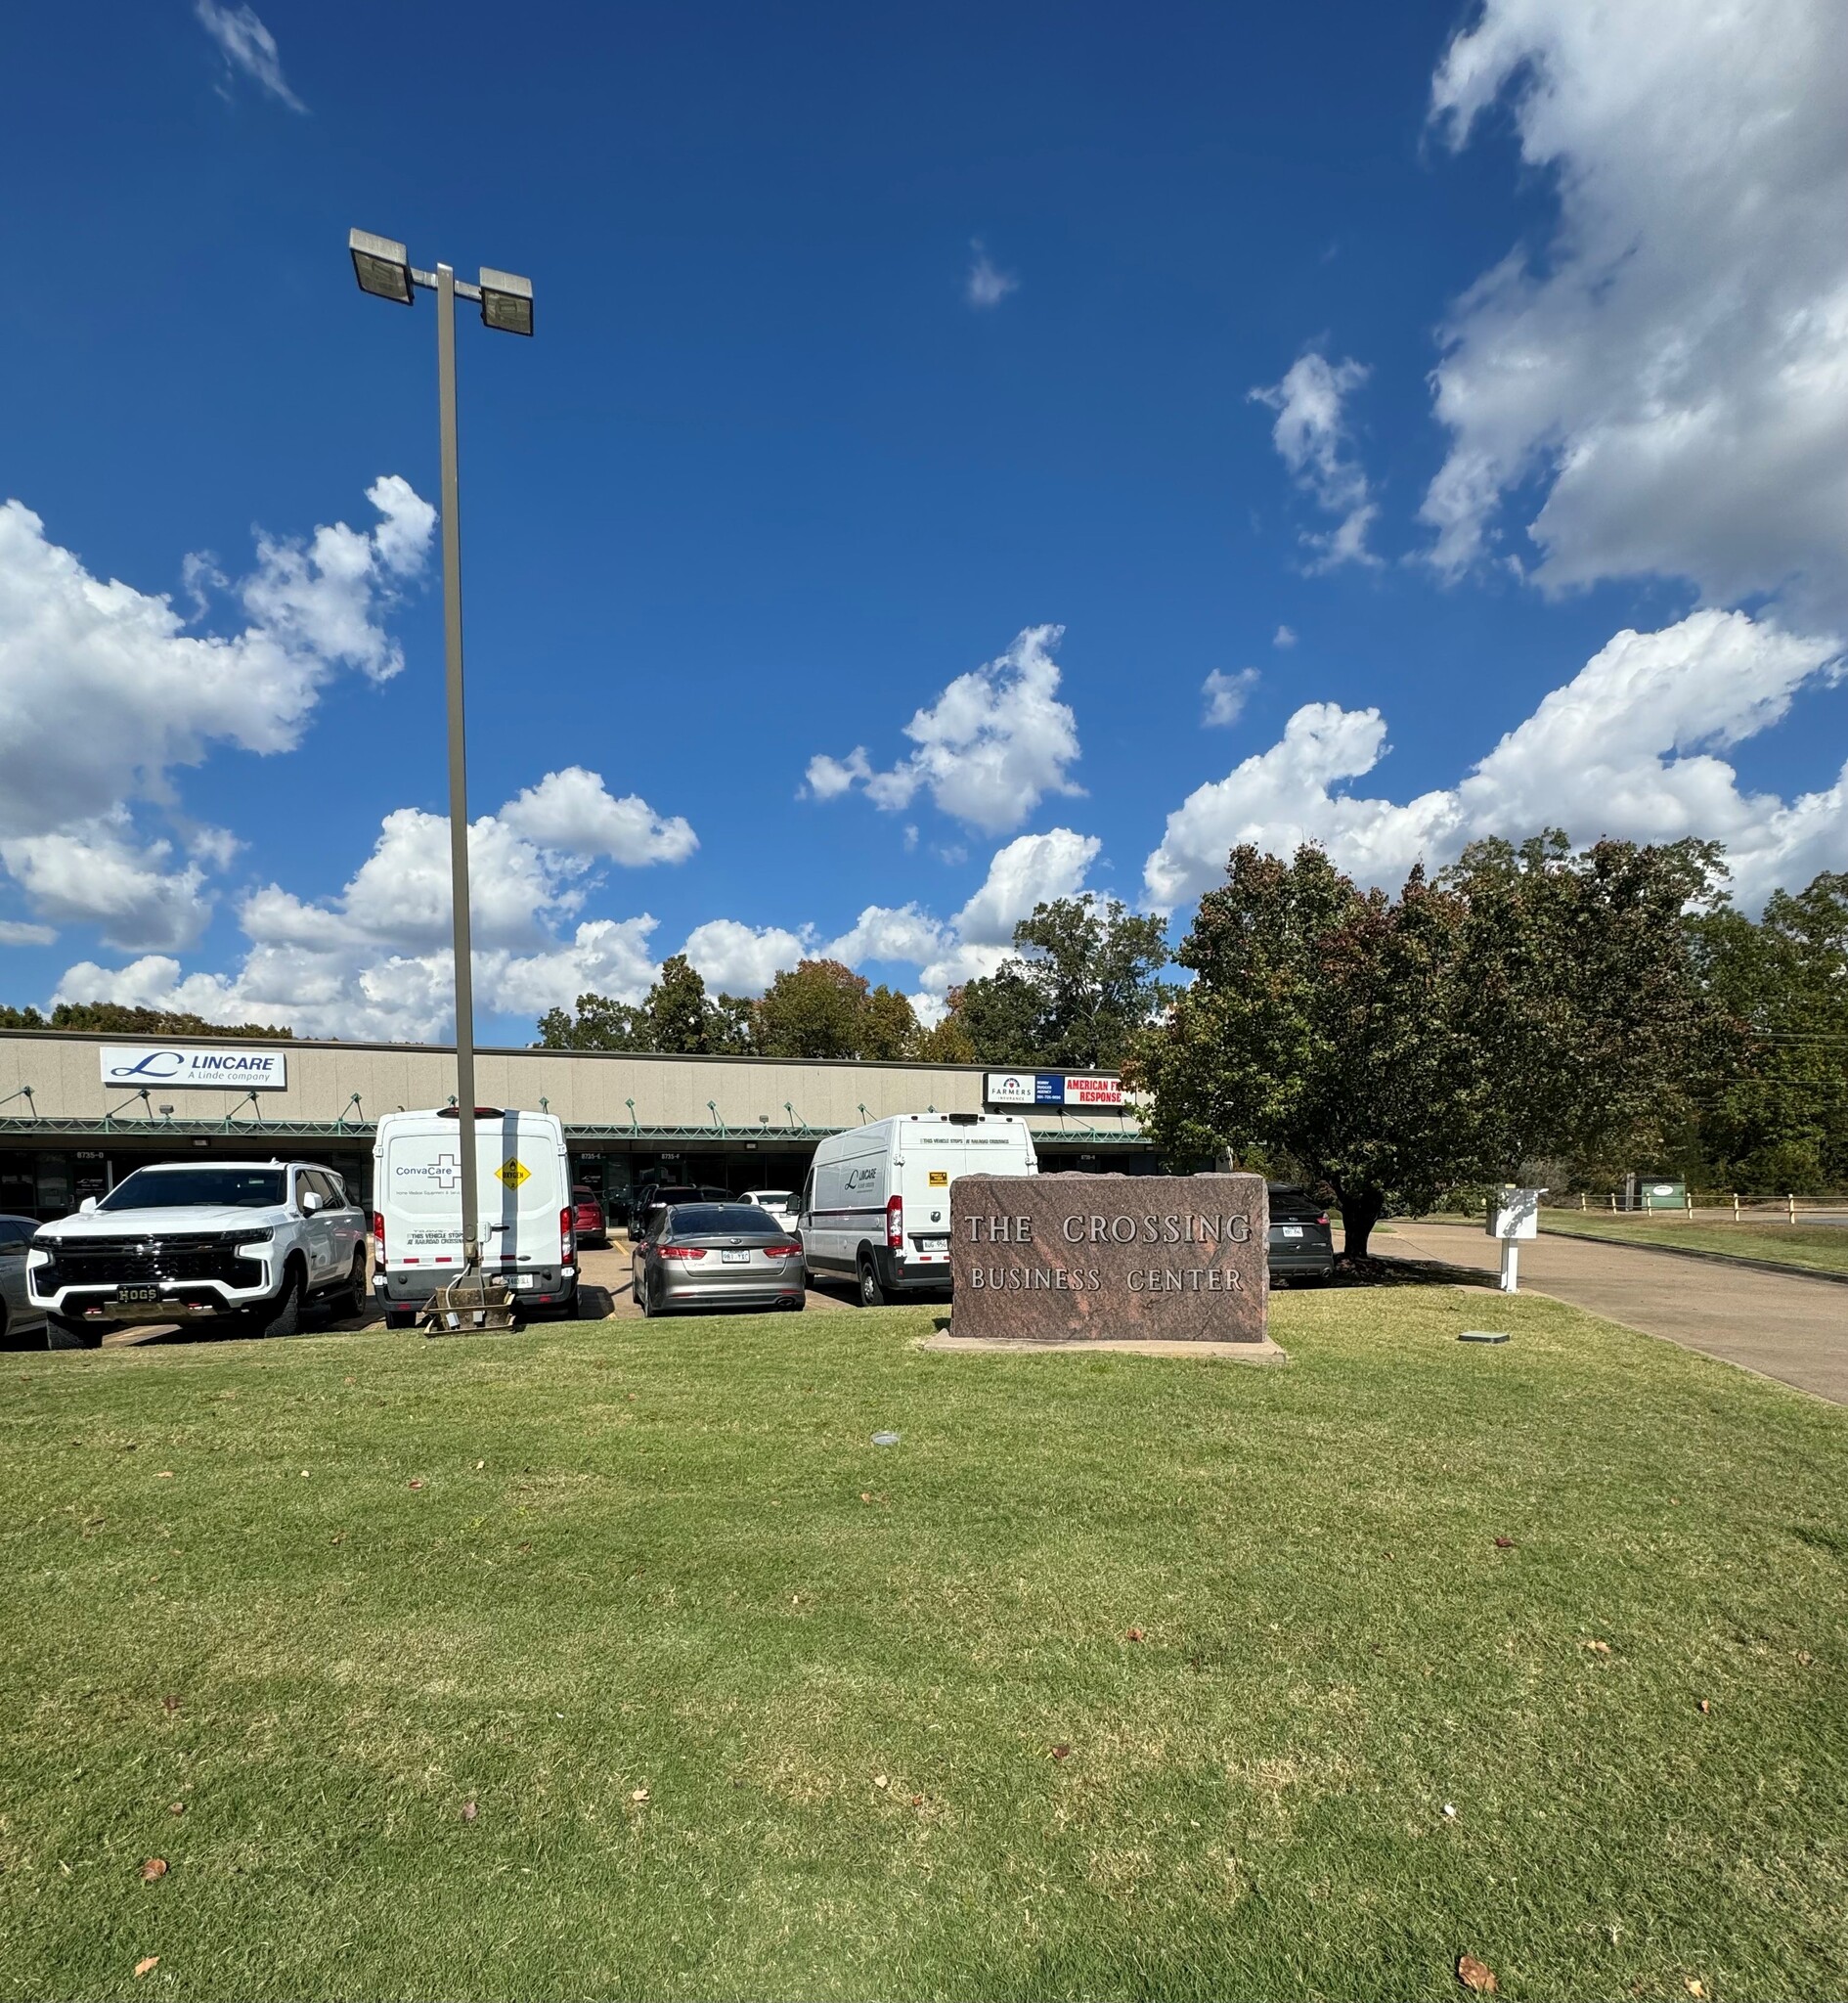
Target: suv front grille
point(131, 1262)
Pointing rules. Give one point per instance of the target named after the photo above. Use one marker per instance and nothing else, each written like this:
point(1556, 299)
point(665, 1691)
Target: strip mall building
point(80, 1111)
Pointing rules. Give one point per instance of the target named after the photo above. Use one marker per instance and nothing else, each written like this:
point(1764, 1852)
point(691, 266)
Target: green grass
point(667, 1557)
point(1815, 1248)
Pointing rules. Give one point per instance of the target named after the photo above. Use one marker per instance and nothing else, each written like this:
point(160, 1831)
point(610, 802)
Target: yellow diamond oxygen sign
point(513, 1172)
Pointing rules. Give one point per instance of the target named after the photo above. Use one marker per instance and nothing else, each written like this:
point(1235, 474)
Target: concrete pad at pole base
point(1182, 1259)
point(946, 1342)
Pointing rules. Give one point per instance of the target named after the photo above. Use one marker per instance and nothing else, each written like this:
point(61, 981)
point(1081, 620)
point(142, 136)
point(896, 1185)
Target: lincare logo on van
point(132, 1065)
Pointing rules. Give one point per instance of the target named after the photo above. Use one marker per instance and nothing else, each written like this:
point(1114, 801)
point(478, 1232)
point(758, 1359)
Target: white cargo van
point(875, 1208)
point(524, 1177)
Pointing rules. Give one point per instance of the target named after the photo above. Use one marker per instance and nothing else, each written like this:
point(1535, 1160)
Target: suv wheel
point(349, 1301)
point(872, 1293)
point(64, 1333)
point(283, 1316)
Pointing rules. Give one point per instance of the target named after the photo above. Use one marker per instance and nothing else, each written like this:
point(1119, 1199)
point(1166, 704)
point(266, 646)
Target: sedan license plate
point(1291, 1231)
point(734, 1258)
point(137, 1297)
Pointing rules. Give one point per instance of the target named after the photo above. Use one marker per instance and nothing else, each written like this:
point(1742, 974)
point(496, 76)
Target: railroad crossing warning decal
point(513, 1172)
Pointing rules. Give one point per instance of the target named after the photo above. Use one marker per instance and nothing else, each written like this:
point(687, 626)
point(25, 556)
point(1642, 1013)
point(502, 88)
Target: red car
point(589, 1223)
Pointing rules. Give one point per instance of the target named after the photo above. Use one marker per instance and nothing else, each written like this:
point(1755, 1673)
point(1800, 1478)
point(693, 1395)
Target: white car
point(780, 1203)
point(243, 1244)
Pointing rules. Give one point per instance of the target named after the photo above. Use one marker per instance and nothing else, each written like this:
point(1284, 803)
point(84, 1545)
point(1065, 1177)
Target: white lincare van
point(523, 1189)
point(875, 1207)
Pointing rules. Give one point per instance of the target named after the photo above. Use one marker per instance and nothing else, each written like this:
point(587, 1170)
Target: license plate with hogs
point(137, 1297)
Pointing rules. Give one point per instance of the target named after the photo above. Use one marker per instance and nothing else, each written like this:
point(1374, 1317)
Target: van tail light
point(565, 1247)
point(682, 1251)
point(379, 1237)
point(895, 1222)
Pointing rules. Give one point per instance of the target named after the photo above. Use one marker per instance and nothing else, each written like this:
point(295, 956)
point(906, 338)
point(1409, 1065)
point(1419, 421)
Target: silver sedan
point(715, 1254)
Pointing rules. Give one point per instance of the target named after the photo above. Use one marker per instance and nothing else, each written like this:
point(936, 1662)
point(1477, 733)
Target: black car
point(1301, 1246)
point(654, 1197)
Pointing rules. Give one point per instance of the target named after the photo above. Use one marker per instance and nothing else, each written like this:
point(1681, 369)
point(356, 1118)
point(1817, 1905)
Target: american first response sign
point(1051, 1089)
point(127, 1067)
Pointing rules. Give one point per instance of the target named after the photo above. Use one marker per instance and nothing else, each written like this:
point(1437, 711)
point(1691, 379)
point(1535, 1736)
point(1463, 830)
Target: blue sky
point(1453, 401)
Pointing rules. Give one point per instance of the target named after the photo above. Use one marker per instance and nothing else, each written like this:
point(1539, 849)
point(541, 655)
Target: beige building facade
point(78, 1111)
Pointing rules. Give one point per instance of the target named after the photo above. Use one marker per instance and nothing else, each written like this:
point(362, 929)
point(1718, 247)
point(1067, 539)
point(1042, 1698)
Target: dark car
point(654, 1197)
point(589, 1221)
point(1302, 1245)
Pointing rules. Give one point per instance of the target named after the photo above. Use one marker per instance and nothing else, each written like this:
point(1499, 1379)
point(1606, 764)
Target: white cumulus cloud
point(986, 283)
point(572, 809)
point(991, 746)
point(1672, 367)
point(1226, 697)
point(1627, 748)
point(735, 958)
point(1315, 441)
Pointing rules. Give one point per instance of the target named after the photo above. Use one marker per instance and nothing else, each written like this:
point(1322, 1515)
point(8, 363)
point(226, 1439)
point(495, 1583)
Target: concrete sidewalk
point(1780, 1325)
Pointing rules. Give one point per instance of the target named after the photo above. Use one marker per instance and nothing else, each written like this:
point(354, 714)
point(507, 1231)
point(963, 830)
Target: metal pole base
point(470, 1303)
point(1511, 1266)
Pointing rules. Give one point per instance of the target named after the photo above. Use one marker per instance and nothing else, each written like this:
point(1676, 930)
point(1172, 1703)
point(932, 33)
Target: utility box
point(1515, 1213)
point(1661, 1196)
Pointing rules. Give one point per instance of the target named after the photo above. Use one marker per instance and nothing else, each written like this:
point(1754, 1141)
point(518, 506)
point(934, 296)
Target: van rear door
point(519, 1187)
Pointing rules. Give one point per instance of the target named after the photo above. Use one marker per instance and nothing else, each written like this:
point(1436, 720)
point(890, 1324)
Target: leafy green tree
point(116, 1018)
point(676, 1007)
point(599, 1024)
point(1531, 1002)
point(1079, 991)
point(946, 1041)
point(731, 1026)
point(814, 1009)
point(888, 1028)
point(675, 1018)
point(1774, 1100)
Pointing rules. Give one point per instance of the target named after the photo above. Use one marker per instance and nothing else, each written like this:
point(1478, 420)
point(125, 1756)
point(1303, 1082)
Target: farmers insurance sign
point(129, 1066)
point(1051, 1089)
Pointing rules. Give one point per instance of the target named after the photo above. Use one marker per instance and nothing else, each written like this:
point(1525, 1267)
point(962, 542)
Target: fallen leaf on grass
point(154, 1867)
point(414, 1485)
point(1475, 1975)
point(863, 1497)
point(1703, 1706)
point(1134, 1634)
point(169, 1705)
point(147, 1963)
point(1694, 1987)
point(1598, 1647)
point(639, 1795)
point(165, 1475)
point(176, 1807)
point(468, 1811)
point(1805, 1657)
point(479, 1466)
point(880, 1781)
point(1504, 1544)
point(917, 1800)
point(1061, 1752)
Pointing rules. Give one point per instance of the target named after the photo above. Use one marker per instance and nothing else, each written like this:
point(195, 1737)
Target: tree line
point(118, 1019)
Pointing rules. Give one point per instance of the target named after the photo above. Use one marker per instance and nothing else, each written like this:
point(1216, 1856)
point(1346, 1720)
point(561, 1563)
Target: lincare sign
point(1155, 1257)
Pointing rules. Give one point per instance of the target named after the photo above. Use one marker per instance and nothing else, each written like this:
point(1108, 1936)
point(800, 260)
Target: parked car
point(20, 1316)
point(875, 1208)
point(653, 1197)
point(780, 1203)
point(1301, 1246)
point(589, 1219)
point(715, 1254)
point(523, 1189)
point(246, 1245)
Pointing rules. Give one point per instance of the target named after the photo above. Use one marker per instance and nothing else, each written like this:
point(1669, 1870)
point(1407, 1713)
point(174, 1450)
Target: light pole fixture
point(384, 268)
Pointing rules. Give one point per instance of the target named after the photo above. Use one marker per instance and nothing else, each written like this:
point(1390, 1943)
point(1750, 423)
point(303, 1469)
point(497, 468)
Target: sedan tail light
point(895, 1222)
point(790, 1251)
point(1323, 1218)
point(682, 1251)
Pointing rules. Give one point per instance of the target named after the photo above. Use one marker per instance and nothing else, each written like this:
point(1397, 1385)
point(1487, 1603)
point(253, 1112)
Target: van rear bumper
point(544, 1285)
point(910, 1278)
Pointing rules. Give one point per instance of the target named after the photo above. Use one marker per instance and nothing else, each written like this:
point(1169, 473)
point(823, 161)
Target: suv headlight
point(250, 1244)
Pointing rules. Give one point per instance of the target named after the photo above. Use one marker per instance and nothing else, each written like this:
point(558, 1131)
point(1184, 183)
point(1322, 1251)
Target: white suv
point(242, 1243)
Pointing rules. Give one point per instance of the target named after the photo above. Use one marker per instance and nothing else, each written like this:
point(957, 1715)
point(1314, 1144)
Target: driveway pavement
point(1780, 1325)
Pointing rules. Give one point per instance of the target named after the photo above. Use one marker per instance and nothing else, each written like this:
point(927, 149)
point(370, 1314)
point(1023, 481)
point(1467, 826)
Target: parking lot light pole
point(384, 270)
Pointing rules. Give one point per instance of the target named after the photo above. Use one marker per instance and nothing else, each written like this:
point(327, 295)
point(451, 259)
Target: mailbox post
point(1512, 1215)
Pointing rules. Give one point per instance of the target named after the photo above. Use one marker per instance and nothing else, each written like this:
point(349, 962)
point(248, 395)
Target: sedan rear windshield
point(772, 1196)
point(724, 1220)
point(221, 1188)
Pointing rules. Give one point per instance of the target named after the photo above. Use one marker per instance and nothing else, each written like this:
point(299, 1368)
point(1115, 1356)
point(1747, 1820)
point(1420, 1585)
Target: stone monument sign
point(1156, 1258)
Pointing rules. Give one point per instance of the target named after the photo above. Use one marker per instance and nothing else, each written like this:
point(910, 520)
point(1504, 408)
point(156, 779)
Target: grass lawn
point(615, 1660)
point(1813, 1247)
